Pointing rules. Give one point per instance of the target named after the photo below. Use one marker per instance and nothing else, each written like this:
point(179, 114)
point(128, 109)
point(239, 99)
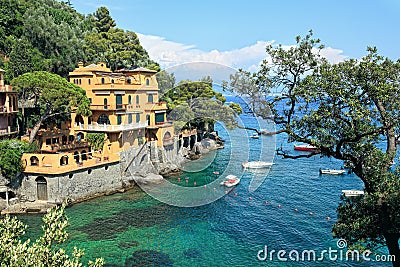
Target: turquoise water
point(133, 229)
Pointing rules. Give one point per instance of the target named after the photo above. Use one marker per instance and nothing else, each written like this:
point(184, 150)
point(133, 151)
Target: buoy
point(179, 179)
point(194, 183)
point(328, 218)
point(265, 202)
point(215, 189)
point(187, 180)
point(250, 198)
point(279, 205)
point(235, 194)
point(216, 172)
point(226, 192)
point(311, 214)
point(205, 186)
point(296, 210)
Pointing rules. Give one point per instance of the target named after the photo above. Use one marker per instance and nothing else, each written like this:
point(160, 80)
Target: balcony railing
point(9, 130)
point(109, 107)
point(5, 109)
point(113, 128)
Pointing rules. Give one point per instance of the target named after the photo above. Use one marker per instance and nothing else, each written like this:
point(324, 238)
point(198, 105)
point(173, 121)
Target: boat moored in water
point(231, 180)
point(353, 193)
point(332, 172)
point(256, 164)
point(305, 148)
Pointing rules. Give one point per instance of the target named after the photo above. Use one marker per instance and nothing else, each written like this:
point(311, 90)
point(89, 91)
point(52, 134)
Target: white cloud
point(169, 53)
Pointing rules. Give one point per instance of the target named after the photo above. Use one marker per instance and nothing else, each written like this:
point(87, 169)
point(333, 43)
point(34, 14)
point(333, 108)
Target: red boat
point(305, 148)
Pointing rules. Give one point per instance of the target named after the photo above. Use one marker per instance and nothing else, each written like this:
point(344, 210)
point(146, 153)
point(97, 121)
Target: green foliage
point(96, 140)
point(10, 156)
point(50, 35)
point(346, 110)
point(118, 48)
point(45, 251)
point(52, 94)
point(194, 104)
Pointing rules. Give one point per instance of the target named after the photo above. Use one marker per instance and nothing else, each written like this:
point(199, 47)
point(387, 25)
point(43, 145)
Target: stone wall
point(76, 185)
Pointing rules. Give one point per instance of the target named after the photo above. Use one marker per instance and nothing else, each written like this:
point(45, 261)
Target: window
point(103, 81)
point(137, 117)
point(118, 100)
point(112, 81)
point(129, 100)
point(80, 81)
point(105, 103)
point(147, 81)
point(130, 118)
point(89, 81)
point(159, 118)
point(119, 119)
point(64, 160)
point(150, 98)
point(148, 119)
point(137, 100)
point(103, 119)
point(48, 141)
point(34, 161)
point(90, 99)
point(54, 140)
point(71, 138)
point(129, 80)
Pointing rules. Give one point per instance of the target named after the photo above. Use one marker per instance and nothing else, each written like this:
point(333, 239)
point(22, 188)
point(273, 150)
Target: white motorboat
point(256, 164)
point(231, 180)
point(332, 172)
point(254, 136)
point(353, 193)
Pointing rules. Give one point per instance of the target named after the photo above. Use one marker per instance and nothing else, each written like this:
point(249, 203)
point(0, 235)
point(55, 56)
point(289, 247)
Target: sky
point(235, 33)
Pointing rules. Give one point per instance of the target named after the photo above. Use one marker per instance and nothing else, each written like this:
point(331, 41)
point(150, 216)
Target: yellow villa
point(125, 107)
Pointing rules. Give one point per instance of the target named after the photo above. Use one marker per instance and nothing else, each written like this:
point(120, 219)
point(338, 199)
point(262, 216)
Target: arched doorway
point(103, 119)
point(76, 156)
point(41, 188)
point(34, 161)
point(78, 120)
point(64, 160)
point(80, 136)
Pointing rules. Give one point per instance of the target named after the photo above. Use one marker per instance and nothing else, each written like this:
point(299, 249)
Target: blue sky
point(236, 32)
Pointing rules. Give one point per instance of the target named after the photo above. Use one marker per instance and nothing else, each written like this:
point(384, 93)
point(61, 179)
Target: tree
point(10, 156)
point(52, 94)
point(347, 110)
point(116, 47)
point(45, 251)
point(197, 104)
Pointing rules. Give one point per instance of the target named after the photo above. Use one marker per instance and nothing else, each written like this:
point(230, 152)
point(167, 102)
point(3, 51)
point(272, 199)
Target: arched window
point(137, 117)
point(137, 100)
point(129, 80)
point(89, 81)
point(130, 118)
point(34, 161)
point(147, 81)
point(80, 137)
point(129, 100)
point(105, 103)
point(64, 160)
point(103, 81)
point(71, 138)
point(103, 119)
point(112, 81)
point(150, 98)
point(119, 119)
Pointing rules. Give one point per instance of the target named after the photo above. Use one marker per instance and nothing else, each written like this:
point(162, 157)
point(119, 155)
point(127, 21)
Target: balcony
point(109, 107)
point(5, 109)
point(54, 148)
point(158, 106)
point(9, 131)
point(113, 128)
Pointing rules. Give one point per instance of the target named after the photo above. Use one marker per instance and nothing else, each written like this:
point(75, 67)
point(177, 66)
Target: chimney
point(80, 64)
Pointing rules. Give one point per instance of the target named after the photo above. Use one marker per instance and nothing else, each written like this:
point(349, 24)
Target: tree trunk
point(392, 242)
point(37, 126)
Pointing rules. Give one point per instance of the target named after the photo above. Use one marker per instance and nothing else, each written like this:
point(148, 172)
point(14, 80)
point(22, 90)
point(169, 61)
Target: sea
point(274, 217)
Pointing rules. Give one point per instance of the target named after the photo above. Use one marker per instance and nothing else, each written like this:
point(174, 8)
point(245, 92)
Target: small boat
point(230, 180)
point(305, 148)
point(254, 136)
point(332, 172)
point(256, 164)
point(353, 193)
